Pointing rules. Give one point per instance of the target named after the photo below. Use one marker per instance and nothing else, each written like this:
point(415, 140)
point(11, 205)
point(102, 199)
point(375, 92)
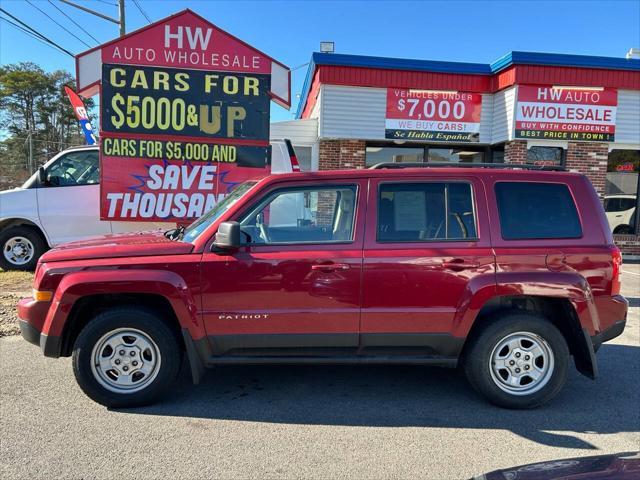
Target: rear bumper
point(613, 318)
point(31, 316)
point(610, 333)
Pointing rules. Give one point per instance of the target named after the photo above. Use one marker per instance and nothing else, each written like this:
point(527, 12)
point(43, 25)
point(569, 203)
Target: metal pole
point(92, 12)
point(31, 169)
point(121, 17)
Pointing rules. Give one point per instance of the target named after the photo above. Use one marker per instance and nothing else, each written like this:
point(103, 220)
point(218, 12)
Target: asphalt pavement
point(310, 421)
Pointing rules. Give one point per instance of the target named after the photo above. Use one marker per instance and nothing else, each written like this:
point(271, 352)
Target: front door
point(427, 248)
point(293, 288)
point(69, 202)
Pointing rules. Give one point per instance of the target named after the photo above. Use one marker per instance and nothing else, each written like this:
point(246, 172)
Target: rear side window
point(536, 211)
point(429, 211)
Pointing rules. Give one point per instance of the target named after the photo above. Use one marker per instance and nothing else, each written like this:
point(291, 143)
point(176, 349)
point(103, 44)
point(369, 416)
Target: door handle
point(459, 264)
point(330, 267)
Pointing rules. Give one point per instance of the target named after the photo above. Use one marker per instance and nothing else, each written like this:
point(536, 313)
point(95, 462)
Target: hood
point(617, 466)
point(116, 246)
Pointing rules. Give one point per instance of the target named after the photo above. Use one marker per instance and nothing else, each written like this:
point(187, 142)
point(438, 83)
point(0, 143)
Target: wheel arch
point(561, 312)
point(80, 295)
point(89, 306)
point(7, 223)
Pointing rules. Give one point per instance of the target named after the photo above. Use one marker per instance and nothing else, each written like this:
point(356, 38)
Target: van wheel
point(21, 248)
point(126, 357)
point(623, 230)
point(518, 361)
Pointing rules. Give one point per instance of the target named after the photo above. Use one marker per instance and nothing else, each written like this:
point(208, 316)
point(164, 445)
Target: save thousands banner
point(184, 117)
point(439, 116)
point(566, 113)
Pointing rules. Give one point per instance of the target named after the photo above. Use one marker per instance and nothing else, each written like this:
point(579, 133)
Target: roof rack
point(511, 166)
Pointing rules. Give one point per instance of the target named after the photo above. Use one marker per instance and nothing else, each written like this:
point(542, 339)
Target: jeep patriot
point(505, 272)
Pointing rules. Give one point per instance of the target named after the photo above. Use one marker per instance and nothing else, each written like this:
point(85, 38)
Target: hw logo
point(194, 36)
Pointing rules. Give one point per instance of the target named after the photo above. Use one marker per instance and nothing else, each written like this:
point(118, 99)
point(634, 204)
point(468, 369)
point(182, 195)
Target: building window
point(375, 155)
point(552, 156)
point(497, 153)
point(621, 191)
point(456, 155)
point(303, 154)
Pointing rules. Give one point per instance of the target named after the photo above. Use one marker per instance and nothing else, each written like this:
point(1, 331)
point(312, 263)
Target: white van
point(43, 213)
point(620, 210)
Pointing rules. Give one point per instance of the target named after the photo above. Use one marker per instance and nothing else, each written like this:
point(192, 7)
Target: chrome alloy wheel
point(125, 360)
point(18, 250)
point(521, 363)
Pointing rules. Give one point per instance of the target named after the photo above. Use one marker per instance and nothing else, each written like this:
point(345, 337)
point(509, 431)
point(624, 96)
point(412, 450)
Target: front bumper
point(31, 316)
point(30, 333)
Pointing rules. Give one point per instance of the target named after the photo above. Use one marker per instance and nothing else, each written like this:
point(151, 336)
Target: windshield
point(194, 230)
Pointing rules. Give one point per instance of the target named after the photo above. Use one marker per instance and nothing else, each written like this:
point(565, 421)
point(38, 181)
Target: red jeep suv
point(505, 272)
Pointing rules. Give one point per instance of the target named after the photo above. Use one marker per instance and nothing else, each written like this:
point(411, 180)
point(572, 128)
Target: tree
point(33, 105)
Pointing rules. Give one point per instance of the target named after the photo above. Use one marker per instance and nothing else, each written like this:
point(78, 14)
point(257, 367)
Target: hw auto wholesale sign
point(566, 113)
point(438, 116)
point(184, 117)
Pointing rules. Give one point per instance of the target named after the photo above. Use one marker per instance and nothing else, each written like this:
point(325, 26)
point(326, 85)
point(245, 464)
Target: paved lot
point(311, 422)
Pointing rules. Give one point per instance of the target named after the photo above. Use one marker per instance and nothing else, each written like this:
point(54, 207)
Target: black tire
point(623, 230)
point(479, 370)
point(136, 319)
point(32, 237)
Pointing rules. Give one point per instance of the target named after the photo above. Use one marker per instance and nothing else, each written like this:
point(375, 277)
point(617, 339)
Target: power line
point(135, 2)
point(46, 39)
point(41, 141)
point(25, 31)
point(61, 26)
point(108, 3)
point(32, 35)
point(74, 22)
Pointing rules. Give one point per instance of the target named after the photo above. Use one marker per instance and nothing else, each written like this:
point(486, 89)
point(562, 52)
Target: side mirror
point(228, 236)
point(42, 176)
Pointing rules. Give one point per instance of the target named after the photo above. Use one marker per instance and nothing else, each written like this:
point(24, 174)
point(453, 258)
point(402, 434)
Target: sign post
point(184, 117)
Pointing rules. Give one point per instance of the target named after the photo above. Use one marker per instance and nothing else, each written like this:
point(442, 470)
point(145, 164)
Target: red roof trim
point(313, 96)
point(517, 74)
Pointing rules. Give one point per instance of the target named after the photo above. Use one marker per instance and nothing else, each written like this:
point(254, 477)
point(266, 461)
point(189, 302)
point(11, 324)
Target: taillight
point(616, 261)
point(295, 166)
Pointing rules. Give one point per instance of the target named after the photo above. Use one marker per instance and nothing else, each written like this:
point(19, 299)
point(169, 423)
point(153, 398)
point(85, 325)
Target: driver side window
point(73, 169)
point(302, 215)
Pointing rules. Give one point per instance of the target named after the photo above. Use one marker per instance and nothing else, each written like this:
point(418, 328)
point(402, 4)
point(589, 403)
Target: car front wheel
point(518, 361)
point(21, 248)
point(126, 357)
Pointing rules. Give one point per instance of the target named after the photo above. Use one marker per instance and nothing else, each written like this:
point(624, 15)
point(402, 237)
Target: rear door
point(69, 203)
point(427, 247)
point(293, 288)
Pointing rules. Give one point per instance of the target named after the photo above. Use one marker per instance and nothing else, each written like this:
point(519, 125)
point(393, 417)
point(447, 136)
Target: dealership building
point(578, 112)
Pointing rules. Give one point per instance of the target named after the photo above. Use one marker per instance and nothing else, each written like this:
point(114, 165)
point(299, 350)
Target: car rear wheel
point(126, 357)
point(21, 248)
point(518, 361)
